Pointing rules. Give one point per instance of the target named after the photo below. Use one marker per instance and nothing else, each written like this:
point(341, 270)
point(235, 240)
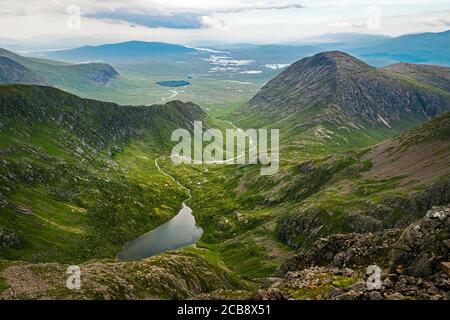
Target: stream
point(181, 231)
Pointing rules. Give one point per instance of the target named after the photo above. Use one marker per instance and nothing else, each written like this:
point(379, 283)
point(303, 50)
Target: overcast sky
point(194, 21)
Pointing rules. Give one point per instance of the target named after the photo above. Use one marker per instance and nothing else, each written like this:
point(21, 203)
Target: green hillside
point(78, 178)
point(67, 76)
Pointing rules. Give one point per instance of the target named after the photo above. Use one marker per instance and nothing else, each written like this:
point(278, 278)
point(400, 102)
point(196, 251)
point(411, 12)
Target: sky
point(211, 21)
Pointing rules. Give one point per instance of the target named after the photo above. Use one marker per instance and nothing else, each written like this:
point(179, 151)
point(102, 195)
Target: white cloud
point(212, 22)
point(189, 21)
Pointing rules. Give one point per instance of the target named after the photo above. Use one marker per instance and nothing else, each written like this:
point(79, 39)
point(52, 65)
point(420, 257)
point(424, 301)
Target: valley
point(364, 155)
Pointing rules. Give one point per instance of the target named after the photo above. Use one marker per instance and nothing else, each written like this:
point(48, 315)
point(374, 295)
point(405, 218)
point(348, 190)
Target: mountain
point(437, 76)
point(121, 52)
point(389, 185)
point(430, 48)
point(79, 172)
point(345, 39)
point(333, 96)
point(61, 74)
point(13, 72)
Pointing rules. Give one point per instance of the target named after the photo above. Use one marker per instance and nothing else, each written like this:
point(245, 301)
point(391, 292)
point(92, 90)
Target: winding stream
point(181, 231)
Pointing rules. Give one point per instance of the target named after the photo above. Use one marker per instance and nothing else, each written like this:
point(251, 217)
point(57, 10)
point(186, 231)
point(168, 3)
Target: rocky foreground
point(413, 264)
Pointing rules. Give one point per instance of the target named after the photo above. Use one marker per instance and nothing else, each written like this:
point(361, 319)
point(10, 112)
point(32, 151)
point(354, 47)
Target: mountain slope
point(415, 48)
point(386, 186)
point(333, 96)
point(77, 176)
point(13, 72)
point(64, 75)
point(121, 52)
point(437, 76)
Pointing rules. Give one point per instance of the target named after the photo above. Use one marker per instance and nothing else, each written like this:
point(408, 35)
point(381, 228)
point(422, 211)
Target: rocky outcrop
point(8, 239)
point(313, 223)
point(345, 250)
point(174, 275)
point(423, 245)
point(396, 287)
point(413, 264)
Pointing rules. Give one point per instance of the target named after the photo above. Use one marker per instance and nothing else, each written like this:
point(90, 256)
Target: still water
point(177, 233)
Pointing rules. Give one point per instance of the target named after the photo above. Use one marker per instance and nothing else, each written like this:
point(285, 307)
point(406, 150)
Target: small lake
point(173, 83)
point(179, 232)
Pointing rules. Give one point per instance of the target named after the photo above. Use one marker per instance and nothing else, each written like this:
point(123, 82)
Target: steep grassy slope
point(436, 76)
point(333, 101)
point(245, 215)
point(389, 185)
point(13, 72)
point(77, 176)
point(64, 75)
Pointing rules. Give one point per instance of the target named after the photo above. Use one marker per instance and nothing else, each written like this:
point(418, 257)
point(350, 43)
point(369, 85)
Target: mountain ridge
point(335, 90)
point(63, 74)
point(117, 52)
point(13, 72)
point(80, 172)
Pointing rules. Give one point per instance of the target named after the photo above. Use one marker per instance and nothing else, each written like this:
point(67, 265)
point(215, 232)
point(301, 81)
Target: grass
point(321, 290)
point(86, 204)
point(3, 283)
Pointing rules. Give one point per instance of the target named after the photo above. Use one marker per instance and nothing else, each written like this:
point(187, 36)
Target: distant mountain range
point(347, 39)
point(13, 72)
point(430, 48)
point(331, 94)
point(377, 50)
point(15, 68)
point(121, 52)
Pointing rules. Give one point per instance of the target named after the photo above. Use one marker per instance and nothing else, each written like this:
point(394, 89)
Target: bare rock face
point(423, 245)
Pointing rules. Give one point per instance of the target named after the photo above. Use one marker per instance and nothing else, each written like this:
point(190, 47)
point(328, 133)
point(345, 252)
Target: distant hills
point(15, 68)
point(430, 48)
point(377, 50)
point(13, 72)
point(120, 52)
point(347, 39)
point(332, 94)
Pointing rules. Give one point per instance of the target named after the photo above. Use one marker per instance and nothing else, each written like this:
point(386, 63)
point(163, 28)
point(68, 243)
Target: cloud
point(212, 22)
point(190, 14)
point(176, 21)
point(180, 14)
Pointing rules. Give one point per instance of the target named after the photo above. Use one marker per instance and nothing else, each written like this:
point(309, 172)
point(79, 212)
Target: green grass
point(3, 283)
point(321, 290)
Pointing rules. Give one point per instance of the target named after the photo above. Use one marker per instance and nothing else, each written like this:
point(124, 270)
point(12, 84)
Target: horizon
point(64, 24)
